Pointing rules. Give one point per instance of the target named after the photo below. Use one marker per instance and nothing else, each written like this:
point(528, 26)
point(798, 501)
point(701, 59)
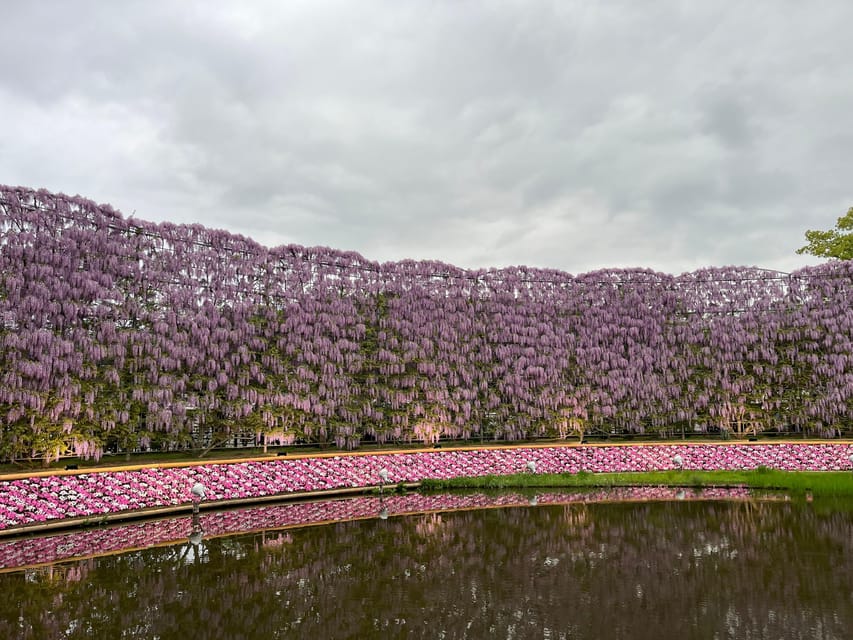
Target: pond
point(531, 567)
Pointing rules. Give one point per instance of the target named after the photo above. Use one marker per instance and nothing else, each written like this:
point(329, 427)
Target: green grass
point(824, 483)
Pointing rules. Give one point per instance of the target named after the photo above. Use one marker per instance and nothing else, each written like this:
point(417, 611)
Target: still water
point(698, 569)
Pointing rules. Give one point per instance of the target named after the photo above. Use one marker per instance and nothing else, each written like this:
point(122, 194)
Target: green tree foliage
point(835, 243)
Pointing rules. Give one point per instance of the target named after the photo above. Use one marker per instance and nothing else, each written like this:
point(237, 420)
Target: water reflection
point(21, 552)
point(679, 569)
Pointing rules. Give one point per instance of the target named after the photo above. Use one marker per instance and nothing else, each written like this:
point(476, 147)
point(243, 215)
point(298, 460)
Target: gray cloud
point(571, 135)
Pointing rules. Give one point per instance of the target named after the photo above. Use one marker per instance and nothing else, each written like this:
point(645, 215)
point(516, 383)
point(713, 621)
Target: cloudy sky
point(570, 134)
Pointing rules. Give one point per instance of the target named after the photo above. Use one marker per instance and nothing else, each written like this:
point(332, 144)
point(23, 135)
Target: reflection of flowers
point(38, 499)
point(643, 556)
point(277, 540)
point(23, 552)
point(429, 525)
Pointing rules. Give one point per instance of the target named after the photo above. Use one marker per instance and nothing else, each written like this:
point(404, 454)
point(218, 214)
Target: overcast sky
point(571, 135)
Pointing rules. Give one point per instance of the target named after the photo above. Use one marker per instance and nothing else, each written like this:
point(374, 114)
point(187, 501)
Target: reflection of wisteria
point(31, 551)
point(687, 569)
point(39, 499)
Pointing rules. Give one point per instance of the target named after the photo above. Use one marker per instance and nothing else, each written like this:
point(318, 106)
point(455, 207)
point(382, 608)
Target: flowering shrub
point(29, 551)
point(121, 333)
point(39, 499)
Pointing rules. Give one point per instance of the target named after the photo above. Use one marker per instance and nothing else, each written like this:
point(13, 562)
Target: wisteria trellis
point(116, 329)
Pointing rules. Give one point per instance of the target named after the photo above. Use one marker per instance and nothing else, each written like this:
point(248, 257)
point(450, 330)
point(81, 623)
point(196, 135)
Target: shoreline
point(290, 455)
point(55, 500)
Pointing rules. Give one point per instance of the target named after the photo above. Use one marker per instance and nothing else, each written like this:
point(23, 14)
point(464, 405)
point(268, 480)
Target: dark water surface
point(658, 570)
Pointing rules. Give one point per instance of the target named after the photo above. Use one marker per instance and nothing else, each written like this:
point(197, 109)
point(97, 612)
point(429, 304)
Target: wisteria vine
point(125, 333)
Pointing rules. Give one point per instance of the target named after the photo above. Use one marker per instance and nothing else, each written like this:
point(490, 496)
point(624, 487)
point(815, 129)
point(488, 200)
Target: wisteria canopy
point(125, 333)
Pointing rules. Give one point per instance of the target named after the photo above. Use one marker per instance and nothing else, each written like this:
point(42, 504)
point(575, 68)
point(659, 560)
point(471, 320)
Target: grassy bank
point(824, 483)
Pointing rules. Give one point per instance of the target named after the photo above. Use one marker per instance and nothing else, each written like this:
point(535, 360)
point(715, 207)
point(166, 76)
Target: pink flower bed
point(40, 499)
point(23, 552)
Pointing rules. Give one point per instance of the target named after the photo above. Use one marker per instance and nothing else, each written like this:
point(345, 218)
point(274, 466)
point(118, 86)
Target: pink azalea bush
point(29, 551)
point(39, 499)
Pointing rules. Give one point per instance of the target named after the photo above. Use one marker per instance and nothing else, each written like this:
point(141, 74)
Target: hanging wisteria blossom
point(124, 334)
